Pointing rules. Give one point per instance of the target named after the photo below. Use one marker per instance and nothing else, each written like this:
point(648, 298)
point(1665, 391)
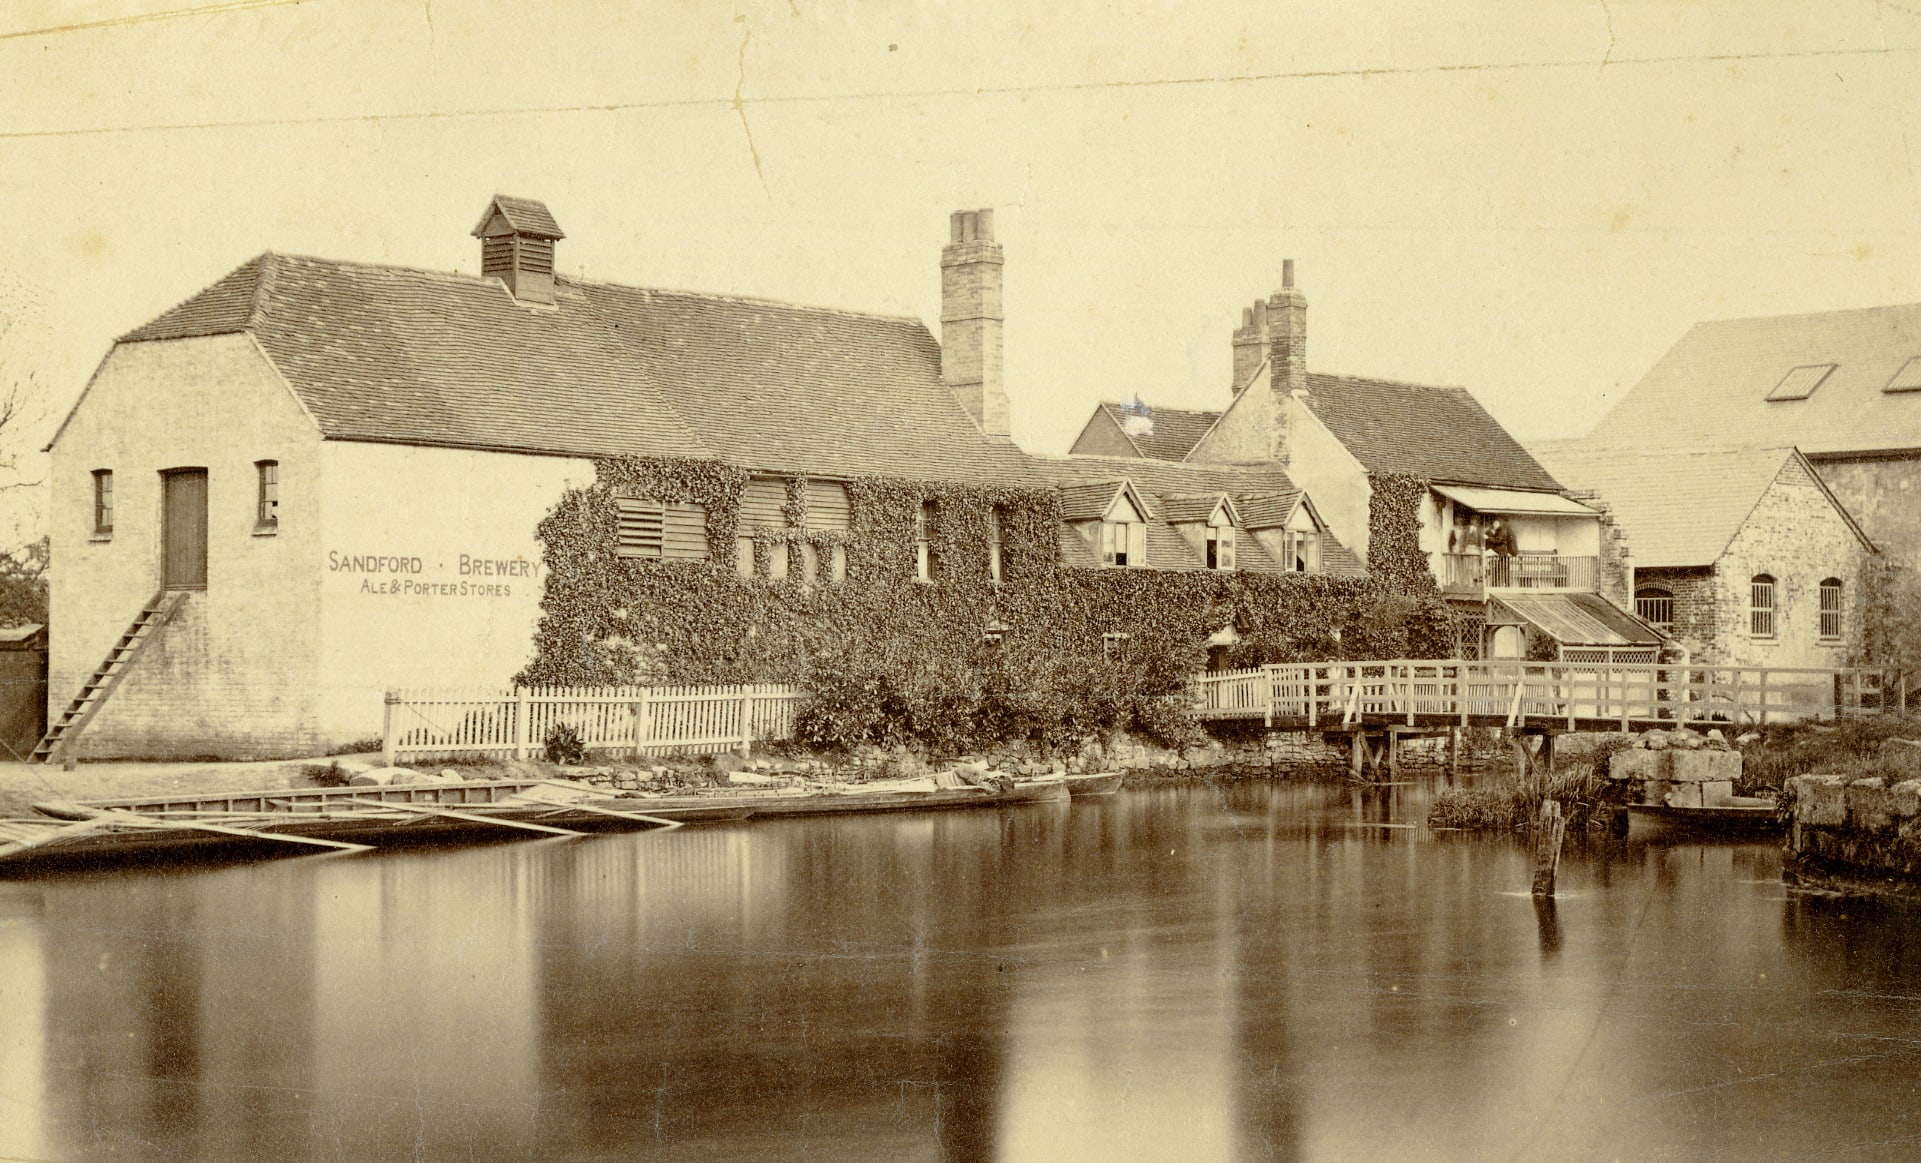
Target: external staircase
point(153, 618)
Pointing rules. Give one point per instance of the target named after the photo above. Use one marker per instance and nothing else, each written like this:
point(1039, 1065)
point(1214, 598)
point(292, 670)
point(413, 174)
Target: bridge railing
point(1330, 694)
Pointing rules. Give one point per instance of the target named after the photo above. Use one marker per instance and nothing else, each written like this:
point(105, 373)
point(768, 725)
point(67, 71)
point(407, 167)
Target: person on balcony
point(1500, 539)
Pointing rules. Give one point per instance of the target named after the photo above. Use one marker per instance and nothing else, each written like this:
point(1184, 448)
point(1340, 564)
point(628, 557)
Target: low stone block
point(1716, 792)
point(1702, 766)
point(1634, 764)
point(1905, 799)
point(1820, 801)
point(1870, 805)
point(382, 777)
point(1684, 795)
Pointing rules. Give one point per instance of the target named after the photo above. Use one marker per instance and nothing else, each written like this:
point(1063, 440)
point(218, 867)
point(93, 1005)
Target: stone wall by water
point(1854, 833)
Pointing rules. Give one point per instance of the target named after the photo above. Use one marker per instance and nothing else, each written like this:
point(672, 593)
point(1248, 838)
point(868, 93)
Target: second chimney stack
point(971, 320)
point(1287, 342)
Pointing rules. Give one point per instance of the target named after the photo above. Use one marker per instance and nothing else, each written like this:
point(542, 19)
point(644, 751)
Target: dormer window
point(1111, 518)
point(1287, 529)
point(1220, 546)
point(1124, 533)
point(1801, 382)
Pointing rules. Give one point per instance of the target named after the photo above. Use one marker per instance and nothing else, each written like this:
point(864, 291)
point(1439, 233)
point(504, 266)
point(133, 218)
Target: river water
point(1251, 972)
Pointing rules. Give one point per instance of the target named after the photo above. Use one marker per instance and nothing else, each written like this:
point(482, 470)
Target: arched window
point(1831, 609)
point(1761, 606)
point(1654, 604)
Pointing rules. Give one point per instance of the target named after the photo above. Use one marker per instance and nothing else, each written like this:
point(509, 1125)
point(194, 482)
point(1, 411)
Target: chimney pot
point(1287, 273)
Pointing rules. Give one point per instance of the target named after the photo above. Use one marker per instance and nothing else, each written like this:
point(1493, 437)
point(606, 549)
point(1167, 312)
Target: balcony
point(1471, 575)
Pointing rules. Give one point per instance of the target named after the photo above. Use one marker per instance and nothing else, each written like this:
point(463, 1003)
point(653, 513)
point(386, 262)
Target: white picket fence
point(624, 721)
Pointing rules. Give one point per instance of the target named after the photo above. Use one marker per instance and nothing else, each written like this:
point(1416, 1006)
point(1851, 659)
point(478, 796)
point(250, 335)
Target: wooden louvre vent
point(828, 508)
point(763, 504)
point(670, 531)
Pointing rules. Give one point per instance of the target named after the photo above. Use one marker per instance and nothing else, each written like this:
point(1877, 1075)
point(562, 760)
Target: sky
point(1532, 200)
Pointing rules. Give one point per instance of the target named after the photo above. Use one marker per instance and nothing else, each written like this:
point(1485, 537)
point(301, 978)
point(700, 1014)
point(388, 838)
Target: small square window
point(1113, 642)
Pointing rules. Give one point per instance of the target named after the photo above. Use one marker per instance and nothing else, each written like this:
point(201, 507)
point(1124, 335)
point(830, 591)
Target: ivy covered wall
point(960, 661)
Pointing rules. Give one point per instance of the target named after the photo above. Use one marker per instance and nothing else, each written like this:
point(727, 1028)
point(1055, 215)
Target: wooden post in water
point(1549, 831)
point(387, 740)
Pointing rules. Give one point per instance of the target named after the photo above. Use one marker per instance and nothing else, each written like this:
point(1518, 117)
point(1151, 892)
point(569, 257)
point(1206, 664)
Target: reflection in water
point(1248, 972)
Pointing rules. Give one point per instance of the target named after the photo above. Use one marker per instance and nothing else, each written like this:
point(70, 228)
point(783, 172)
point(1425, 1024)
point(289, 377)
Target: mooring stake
point(1547, 846)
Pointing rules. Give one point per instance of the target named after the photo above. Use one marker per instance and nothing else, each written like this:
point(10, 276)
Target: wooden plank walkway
point(1577, 696)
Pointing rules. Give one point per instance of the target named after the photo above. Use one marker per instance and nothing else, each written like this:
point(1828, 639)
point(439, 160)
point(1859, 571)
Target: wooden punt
point(1758, 819)
point(1104, 783)
point(857, 798)
point(284, 821)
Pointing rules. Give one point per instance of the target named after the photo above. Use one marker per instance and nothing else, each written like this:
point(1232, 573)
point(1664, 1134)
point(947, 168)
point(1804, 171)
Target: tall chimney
point(1250, 344)
point(970, 320)
point(1287, 320)
point(517, 237)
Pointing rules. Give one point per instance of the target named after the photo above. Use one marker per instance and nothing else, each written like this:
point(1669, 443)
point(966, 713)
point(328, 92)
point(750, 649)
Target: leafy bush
point(563, 745)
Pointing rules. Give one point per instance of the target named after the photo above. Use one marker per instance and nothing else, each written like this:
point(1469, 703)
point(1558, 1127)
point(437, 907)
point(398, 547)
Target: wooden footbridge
point(1378, 703)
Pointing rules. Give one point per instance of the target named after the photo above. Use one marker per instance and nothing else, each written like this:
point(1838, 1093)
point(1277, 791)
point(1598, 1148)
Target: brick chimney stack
point(1287, 322)
point(971, 320)
point(1250, 344)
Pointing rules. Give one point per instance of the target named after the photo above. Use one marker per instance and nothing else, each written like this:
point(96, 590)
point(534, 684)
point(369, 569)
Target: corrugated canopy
point(1577, 619)
point(1514, 501)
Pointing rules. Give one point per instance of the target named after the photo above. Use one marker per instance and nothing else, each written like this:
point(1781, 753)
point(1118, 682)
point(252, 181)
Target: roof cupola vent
point(517, 237)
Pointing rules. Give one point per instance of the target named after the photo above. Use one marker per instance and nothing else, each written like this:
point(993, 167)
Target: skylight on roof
point(1908, 379)
point(1800, 383)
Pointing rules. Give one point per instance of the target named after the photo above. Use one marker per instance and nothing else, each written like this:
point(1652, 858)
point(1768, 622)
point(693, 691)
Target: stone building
point(1343, 439)
point(317, 480)
point(1844, 387)
point(1743, 556)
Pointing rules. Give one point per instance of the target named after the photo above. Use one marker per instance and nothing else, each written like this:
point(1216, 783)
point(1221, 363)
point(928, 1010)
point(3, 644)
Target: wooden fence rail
point(1587, 695)
point(681, 720)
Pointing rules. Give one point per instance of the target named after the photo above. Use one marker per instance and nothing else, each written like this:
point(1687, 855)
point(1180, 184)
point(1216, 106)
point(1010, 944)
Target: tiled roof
point(1089, 502)
point(1678, 507)
point(523, 214)
point(1088, 483)
point(1579, 619)
point(1268, 511)
point(1173, 432)
point(788, 388)
point(387, 354)
point(1441, 434)
point(1190, 507)
point(1712, 386)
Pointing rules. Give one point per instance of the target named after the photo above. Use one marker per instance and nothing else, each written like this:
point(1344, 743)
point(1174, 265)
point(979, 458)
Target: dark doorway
point(186, 529)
